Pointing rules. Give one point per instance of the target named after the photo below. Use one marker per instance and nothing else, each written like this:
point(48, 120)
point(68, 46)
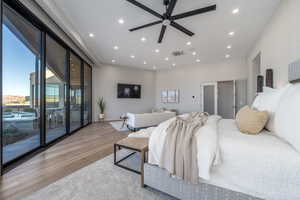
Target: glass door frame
point(17, 6)
point(1, 132)
point(91, 93)
point(81, 90)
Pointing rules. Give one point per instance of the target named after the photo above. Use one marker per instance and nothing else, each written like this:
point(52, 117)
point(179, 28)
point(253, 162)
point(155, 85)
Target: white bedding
point(259, 165)
point(208, 152)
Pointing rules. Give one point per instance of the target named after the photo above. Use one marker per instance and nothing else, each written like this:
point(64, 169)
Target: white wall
point(105, 80)
point(279, 43)
point(188, 81)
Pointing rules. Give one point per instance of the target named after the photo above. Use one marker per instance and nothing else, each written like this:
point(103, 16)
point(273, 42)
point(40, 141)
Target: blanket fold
point(179, 155)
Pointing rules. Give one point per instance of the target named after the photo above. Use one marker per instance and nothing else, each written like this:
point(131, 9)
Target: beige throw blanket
point(179, 155)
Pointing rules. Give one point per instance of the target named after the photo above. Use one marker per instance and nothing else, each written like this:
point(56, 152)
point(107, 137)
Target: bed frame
point(157, 178)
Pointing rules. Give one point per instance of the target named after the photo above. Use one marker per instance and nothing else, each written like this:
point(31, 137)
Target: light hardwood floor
point(88, 145)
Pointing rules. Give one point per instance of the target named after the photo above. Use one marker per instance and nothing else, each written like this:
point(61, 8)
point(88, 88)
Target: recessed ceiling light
point(235, 11)
point(194, 53)
point(227, 56)
point(91, 35)
point(174, 64)
point(121, 21)
point(156, 50)
point(154, 67)
point(132, 56)
point(145, 63)
point(198, 60)
point(143, 39)
point(113, 61)
point(229, 47)
point(188, 43)
point(166, 59)
point(116, 47)
point(231, 33)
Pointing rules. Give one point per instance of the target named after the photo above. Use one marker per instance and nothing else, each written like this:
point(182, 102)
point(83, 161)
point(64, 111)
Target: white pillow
point(269, 101)
point(287, 122)
point(257, 101)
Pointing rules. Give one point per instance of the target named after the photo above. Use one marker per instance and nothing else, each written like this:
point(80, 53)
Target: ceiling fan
point(167, 17)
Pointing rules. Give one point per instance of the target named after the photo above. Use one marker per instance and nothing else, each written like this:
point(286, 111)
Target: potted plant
point(102, 105)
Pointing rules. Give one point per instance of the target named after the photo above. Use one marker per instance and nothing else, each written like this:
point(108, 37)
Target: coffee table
point(137, 145)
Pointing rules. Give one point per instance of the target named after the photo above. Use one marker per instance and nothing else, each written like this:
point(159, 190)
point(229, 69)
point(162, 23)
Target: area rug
point(118, 126)
point(101, 180)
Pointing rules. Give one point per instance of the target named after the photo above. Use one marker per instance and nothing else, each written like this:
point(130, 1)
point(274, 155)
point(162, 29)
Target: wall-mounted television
point(129, 91)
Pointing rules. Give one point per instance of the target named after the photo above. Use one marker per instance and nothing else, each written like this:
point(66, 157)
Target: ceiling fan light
point(166, 22)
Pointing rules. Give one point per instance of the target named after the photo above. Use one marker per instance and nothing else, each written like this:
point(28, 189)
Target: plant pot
point(101, 116)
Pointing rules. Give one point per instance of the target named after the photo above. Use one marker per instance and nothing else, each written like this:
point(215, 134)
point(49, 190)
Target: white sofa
point(136, 121)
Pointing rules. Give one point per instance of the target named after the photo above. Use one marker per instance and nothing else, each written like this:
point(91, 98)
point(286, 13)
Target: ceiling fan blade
point(162, 33)
point(171, 7)
point(146, 25)
point(194, 12)
point(181, 28)
point(145, 8)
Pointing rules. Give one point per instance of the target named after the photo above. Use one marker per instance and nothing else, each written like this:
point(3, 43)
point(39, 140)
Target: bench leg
point(142, 167)
point(115, 151)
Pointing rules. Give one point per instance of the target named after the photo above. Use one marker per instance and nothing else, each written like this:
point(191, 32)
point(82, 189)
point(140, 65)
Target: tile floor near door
point(88, 145)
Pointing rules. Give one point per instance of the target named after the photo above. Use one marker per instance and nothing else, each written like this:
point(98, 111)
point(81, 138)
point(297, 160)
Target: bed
point(261, 166)
point(264, 166)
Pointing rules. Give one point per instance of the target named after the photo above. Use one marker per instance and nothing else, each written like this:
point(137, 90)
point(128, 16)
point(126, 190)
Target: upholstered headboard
point(294, 72)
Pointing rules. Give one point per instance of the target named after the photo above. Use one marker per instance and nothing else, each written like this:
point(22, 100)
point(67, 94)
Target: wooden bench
point(137, 145)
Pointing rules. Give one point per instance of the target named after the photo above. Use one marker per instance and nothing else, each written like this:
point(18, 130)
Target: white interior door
point(210, 98)
point(226, 99)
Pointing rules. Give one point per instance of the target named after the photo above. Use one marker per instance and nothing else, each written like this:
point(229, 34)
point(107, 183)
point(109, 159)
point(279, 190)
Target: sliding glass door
point(20, 84)
point(87, 111)
point(46, 88)
point(56, 88)
point(75, 92)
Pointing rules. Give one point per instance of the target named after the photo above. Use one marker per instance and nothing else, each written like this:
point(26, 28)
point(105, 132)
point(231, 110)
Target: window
point(87, 116)
point(20, 81)
point(75, 92)
point(55, 75)
point(52, 92)
point(36, 62)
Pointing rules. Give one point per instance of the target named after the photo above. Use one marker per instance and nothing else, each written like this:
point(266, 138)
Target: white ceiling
point(100, 17)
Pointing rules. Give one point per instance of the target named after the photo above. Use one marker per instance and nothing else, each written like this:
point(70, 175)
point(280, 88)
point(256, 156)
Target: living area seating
point(136, 121)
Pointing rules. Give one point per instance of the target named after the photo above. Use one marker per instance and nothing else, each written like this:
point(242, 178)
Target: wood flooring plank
point(88, 145)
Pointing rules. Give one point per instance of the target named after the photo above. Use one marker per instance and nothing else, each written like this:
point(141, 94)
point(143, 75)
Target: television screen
point(129, 91)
